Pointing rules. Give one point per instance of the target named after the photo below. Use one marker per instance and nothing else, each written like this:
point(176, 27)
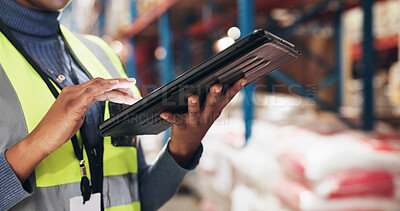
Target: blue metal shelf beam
point(300, 89)
point(339, 61)
point(102, 17)
point(166, 64)
point(246, 25)
point(165, 34)
point(334, 70)
point(317, 59)
point(320, 6)
point(368, 66)
point(329, 80)
point(131, 63)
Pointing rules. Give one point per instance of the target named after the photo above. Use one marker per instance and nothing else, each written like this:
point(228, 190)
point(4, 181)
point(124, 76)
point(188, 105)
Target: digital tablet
point(252, 57)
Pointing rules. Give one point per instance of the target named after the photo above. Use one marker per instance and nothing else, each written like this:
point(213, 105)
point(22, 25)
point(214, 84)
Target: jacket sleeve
point(12, 190)
point(159, 182)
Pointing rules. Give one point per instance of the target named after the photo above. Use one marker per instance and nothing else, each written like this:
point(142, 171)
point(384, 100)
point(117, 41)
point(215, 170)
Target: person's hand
point(66, 115)
point(189, 129)
point(64, 119)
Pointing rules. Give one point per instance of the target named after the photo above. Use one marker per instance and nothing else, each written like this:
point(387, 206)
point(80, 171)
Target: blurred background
point(320, 134)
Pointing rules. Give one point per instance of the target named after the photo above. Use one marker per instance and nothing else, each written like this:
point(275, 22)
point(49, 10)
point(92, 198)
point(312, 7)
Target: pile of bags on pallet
point(345, 171)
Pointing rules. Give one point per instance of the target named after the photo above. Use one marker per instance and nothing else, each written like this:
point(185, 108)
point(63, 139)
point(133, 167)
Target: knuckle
point(174, 119)
point(67, 89)
point(88, 90)
point(98, 80)
point(212, 104)
point(193, 109)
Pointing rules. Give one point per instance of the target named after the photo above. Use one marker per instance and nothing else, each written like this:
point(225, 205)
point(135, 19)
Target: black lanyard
point(86, 188)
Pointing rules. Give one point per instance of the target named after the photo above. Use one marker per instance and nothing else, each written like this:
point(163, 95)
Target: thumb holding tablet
point(189, 129)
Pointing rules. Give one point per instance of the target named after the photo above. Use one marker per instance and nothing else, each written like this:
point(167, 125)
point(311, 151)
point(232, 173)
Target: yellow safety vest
point(25, 99)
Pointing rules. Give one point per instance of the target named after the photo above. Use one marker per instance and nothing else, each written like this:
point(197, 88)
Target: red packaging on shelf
point(301, 198)
point(357, 183)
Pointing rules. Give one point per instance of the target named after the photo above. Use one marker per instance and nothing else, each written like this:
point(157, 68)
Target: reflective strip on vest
point(26, 98)
point(12, 121)
point(100, 54)
point(101, 50)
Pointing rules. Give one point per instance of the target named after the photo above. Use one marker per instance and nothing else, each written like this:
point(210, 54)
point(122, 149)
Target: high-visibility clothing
point(25, 99)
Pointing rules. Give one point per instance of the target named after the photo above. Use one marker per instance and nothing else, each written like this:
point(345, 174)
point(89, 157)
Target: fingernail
point(193, 100)
point(218, 90)
point(243, 82)
point(164, 116)
point(138, 97)
point(131, 79)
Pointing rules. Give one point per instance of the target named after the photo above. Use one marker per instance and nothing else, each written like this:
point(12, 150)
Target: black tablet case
point(252, 57)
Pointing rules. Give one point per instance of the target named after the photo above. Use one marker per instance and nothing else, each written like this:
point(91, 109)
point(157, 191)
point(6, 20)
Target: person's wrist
point(21, 162)
point(182, 152)
point(183, 148)
point(44, 144)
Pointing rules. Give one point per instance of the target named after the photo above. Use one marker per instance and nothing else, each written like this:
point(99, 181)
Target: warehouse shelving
point(246, 23)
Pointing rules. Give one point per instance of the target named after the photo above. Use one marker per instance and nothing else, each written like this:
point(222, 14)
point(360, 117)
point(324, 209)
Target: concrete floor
point(181, 203)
